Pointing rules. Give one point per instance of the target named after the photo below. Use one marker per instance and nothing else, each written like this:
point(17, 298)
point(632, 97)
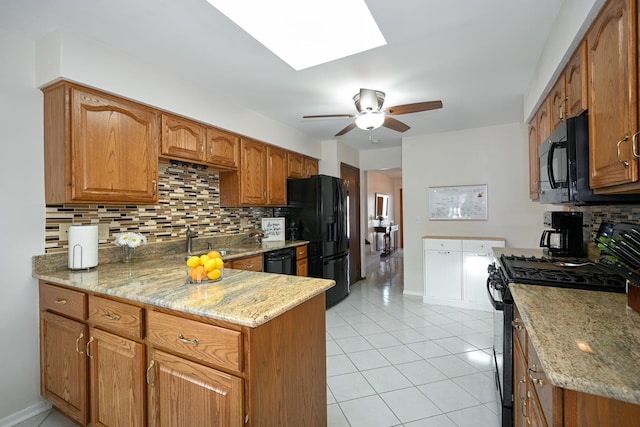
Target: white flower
point(131, 239)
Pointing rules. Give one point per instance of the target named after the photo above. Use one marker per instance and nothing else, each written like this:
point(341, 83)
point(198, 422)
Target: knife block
point(633, 296)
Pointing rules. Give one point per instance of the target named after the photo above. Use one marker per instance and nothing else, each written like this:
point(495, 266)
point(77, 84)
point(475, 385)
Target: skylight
point(305, 33)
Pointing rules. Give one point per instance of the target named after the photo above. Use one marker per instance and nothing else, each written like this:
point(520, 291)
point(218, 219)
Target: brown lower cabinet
point(537, 402)
point(111, 362)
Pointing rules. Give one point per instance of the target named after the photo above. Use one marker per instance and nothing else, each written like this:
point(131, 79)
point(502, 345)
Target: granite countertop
point(587, 341)
point(241, 297)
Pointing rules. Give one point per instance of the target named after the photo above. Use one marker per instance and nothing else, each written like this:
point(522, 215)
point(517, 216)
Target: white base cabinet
point(455, 271)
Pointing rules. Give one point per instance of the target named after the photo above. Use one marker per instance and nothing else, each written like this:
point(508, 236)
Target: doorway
point(351, 175)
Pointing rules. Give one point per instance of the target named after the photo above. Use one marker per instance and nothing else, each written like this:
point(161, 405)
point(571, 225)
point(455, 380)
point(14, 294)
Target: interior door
point(352, 177)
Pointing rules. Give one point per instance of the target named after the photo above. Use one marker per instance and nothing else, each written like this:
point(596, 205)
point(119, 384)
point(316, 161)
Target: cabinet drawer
point(207, 343)
point(550, 397)
point(301, 252)
point(64, 301)
point(253, 263)
point(116, 316)
point(519, 331)
point(482, 246)
point(442, 245)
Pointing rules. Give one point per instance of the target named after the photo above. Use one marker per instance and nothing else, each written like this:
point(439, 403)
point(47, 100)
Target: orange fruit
point(214, 274)
point(210, 265)
point(197, 273)
point(214, 254)
point(203, 259)
point(193, 261)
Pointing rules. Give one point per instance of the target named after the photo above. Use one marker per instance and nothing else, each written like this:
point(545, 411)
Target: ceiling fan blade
point(347, 129)
point(397, 125)
point(324, 116)
point(413, 108)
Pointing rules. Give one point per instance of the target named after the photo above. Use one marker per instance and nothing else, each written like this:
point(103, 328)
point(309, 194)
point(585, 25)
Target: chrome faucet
point(190, 235)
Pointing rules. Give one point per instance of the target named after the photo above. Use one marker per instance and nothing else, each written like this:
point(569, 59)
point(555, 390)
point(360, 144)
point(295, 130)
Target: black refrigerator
point(317, 212)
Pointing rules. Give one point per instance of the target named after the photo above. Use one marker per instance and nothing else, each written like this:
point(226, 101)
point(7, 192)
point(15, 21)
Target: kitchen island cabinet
point(247, 350)
point(581, 356)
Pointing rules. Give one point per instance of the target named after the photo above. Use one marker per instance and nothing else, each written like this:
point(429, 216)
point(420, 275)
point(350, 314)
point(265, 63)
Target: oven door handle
point(498, 305)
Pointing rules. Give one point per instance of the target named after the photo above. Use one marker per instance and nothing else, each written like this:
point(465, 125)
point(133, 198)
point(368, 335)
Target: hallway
point(394, 361)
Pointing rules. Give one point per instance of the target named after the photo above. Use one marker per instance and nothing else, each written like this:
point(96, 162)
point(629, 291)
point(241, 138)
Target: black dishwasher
point(282, 261)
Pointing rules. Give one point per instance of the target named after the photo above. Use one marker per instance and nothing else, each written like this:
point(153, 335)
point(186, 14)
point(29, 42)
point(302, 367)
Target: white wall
point(496, 156)
point(21, 227)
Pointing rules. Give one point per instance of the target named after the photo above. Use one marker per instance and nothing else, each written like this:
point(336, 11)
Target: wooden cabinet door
point(520, 398)
point(575, 75)
point(182, 138)
point(310, 167)
point(114, 149)
point(251, 263)
point(295, 165)
point(612, 95)
point(253, 173)
point(222, 148)
point(117, 380)
point(184, 393)
point(302, 267)
point(277, 176)
point(543, 121)
point(63, 365)
point(558, 103)
point(534, 160)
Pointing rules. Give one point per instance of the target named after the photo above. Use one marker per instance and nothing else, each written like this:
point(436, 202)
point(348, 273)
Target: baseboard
point(25, 414)
point(412, 293)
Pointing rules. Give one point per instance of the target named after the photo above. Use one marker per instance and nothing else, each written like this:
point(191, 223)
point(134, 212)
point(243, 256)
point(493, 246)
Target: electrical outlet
point(103, 231)
point(244, 222)
point(63, 231)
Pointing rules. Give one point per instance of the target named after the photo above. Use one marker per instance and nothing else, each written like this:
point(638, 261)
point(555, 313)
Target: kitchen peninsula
point(133, 344)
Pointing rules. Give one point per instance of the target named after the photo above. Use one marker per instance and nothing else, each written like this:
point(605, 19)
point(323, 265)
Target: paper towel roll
point(83, 246)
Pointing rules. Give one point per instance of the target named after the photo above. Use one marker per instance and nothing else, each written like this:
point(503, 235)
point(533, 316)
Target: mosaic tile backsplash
point(614, 213)
point(189, 195)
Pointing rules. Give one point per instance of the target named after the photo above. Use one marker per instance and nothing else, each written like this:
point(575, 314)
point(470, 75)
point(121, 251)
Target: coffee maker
point(564, 235)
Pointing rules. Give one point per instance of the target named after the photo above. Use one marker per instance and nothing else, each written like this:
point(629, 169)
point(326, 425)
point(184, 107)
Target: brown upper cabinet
point(558, 103)
point(276, 176)
point(98, 148)
point(248, 185)
point(613, 103)
point(534, 161)
point(575, 76)
point(184, 139)
point(299, 166)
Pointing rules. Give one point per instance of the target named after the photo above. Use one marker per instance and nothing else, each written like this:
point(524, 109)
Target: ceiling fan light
point(370, 121)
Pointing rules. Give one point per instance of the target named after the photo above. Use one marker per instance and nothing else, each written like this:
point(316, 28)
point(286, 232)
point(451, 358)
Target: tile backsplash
point(612, 213)
point(188, 195)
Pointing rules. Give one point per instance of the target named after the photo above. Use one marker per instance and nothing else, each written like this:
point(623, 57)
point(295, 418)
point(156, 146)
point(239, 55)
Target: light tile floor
point(394, 361)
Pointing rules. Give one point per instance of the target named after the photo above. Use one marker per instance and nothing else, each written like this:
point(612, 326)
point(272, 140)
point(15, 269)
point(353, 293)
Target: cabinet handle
point(61, 301)
point(109, 316)
point(624, 162)
point(634, 143)
point(184, 340)
point(155, 187)
point(151, 365)
point(532, 371)
point(88, 346)
point(78, 341)
point(516, 323)
point(202, 148)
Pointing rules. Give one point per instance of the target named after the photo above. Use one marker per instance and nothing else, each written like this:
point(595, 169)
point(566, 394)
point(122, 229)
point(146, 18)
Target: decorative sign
point(463, 202)
point(273, 229)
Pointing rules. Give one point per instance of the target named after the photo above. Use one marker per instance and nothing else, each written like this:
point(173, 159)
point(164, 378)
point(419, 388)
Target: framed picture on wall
point(459, 202)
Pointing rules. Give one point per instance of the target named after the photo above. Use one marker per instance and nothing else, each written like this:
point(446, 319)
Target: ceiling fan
point(371, 116)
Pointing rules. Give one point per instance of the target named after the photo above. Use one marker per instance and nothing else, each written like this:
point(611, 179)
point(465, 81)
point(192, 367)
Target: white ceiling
point(477, 56)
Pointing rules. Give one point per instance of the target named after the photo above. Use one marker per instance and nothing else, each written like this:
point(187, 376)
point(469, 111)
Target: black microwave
point(564, 168)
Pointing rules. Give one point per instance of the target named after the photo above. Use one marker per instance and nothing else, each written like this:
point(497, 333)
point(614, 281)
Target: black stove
point(550, 272)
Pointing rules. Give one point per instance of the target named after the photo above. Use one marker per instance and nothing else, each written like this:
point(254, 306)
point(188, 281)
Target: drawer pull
point(87, 349)
point(77, 342)
point(517, 325)
point(184, 340)
point(148, 374)
point(532, 371)
point(61, 301)
point(110, 316)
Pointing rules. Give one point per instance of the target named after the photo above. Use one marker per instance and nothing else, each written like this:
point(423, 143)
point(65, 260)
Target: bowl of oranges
point(208, 267)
